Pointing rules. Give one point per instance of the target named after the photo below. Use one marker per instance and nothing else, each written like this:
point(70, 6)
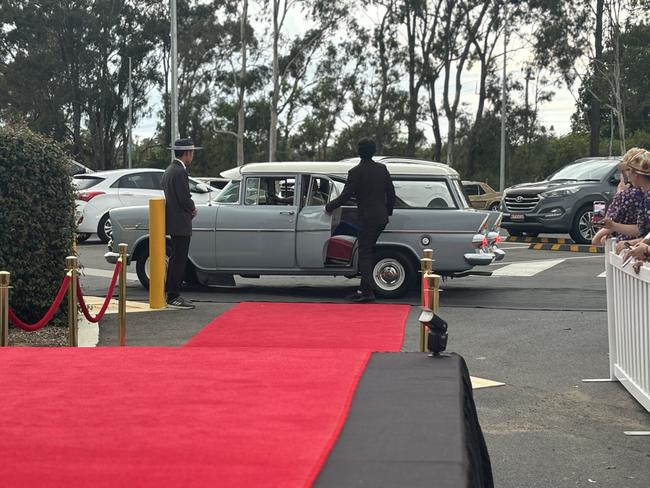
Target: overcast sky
point(555, 114)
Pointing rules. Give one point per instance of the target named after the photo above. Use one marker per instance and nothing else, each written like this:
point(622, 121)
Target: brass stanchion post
point(122, 301)
point(73, 333)
point(157, 253)
point(5, 279)
point(426, 267)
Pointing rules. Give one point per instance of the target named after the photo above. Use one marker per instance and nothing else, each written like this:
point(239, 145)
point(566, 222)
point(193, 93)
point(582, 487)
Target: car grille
point(521, 203)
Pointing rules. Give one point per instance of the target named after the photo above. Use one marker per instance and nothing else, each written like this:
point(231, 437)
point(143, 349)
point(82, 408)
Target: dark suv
point(563, 203)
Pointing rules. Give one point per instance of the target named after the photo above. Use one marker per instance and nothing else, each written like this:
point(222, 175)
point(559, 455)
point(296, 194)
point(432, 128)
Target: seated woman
point(627, 209)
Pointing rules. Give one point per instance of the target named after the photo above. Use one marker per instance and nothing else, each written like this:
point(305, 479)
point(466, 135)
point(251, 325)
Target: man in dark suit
point(373, 188)
point(179, 212)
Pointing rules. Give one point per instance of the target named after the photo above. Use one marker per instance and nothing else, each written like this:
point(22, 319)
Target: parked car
point(482, 196)
point(218, 183)
point(563, 202)
point(100, 192)
point(75, 168)
point(270, 220)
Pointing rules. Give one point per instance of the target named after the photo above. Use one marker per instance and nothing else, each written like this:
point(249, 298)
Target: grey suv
point(563, 203)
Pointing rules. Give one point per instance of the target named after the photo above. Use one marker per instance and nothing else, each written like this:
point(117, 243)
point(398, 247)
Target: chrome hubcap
point(147, 266)
point(585, 226)
point(389, 274)
point(108, 228)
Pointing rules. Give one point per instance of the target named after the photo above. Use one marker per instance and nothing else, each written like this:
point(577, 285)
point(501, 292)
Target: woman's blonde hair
point(634, 151)
point(640, 163)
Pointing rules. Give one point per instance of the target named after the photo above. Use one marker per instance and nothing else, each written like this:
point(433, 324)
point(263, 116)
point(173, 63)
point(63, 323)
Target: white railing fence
point(628, 319)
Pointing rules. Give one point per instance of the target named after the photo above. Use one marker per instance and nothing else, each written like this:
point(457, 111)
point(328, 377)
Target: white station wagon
point(270, 220)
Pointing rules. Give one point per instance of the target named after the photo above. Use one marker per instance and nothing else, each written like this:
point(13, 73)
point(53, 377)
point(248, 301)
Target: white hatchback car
point(98, 193)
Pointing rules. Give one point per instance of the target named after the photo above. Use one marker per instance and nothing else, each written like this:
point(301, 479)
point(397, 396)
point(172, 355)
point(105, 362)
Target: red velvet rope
point(111, 289)
point(50, 313)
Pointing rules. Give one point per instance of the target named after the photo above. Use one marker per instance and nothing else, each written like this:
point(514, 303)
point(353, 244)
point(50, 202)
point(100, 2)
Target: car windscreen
point(84, 182)
point(230, 193)
point(589, 170)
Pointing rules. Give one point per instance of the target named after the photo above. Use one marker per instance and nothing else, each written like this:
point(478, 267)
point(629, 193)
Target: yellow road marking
point(95, 303)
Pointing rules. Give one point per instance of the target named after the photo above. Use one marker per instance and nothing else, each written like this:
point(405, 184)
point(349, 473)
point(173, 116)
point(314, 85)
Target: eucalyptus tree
point(292, 56)
point(64, 69)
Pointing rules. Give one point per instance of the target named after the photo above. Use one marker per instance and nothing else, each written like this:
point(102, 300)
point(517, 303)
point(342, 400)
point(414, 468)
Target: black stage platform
point(412, 424)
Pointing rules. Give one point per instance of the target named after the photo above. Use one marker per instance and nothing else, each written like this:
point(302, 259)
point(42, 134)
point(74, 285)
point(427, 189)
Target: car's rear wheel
point(105, 229)
point(392, 274)
point(143, 266)
point(582, 230)
point(83, 236)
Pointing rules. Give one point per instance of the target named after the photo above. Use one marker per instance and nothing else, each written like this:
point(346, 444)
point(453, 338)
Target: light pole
point(502, 170)
point(129, 147)
point(174, 69)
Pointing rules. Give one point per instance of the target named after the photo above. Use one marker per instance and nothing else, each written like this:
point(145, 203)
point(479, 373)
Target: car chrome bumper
point(479, 259)
point(499, 254)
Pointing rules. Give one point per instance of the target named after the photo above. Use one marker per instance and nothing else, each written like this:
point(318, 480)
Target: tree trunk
point(435, 121)
point(241, 116)
point(273, 131)
point(594, 114)
point(413, 88)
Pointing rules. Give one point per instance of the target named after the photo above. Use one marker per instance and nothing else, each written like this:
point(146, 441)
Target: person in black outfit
point(179, 212)
point(373, 188)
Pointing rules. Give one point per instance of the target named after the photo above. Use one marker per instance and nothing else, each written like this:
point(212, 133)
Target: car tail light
point(87, 196)
point(479, 241)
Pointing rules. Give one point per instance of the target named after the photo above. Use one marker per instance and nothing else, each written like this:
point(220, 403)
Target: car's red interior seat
point(340, 249)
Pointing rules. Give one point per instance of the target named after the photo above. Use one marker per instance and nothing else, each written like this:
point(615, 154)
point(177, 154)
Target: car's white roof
point(396, 166)
point(119, 172)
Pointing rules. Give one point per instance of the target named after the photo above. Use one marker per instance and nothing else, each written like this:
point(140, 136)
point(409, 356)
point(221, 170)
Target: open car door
point(315, 226)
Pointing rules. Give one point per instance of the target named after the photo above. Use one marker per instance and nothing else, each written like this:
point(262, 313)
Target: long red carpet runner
point(377, 328)
point(217, 414)
point(163, 417)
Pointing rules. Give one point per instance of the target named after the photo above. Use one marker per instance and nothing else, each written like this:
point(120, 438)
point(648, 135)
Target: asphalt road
point(538, 324)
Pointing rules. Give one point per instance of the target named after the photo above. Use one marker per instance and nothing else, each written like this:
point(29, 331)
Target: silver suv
point(562, 203)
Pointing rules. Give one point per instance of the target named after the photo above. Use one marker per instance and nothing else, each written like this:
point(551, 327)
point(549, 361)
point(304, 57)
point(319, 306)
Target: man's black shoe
point(354, 295)
point(362, 298)
point(180, 303)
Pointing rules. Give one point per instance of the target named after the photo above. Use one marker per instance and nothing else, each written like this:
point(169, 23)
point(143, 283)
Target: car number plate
point(517, 216)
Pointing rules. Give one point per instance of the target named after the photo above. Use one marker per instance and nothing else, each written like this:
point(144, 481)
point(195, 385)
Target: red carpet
point(377, 328)
point(169, 417)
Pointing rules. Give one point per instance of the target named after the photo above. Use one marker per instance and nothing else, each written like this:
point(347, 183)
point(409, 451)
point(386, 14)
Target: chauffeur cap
point(185, 144)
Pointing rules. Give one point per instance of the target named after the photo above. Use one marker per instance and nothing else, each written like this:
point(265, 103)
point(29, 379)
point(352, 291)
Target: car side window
point(275, 190)
point(320, 190)
point(480, 190)
point(470, 189)
point(142, 181)
point(251, 191)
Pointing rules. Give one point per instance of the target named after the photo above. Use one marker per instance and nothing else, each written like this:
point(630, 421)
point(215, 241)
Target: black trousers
point(176, 267)
point(368, 235)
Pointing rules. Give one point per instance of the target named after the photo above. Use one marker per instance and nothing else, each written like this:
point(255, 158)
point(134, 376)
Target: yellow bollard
point(122, 300)
point(5, 279)
point(157, 253)
point(73, 337)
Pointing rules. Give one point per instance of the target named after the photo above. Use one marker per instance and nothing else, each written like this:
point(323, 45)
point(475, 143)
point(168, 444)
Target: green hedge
point(36, 219)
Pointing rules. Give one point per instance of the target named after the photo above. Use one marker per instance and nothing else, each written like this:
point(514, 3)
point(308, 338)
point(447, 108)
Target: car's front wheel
point(495, 206)
point(392, 274)
point(143, 266)
point(582, 230)
point(105, 229)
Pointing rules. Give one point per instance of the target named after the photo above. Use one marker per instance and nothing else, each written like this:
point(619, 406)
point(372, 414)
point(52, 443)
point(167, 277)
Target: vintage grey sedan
point(270, 220)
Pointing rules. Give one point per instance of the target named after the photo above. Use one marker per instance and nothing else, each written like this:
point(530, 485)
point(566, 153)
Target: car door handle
point(126, 194)
point(288, 213)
